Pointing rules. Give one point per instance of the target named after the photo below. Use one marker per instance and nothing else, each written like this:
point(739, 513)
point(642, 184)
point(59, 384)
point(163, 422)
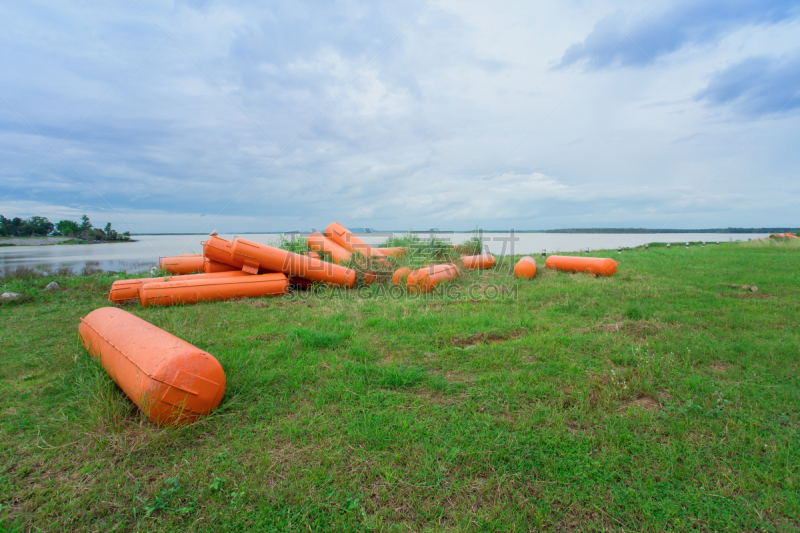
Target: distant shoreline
point(566, 230)
point(49, 241)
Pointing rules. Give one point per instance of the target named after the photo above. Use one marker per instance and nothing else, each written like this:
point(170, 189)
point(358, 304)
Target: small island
point(38, 231)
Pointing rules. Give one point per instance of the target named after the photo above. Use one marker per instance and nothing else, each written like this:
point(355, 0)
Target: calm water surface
point(144, 254)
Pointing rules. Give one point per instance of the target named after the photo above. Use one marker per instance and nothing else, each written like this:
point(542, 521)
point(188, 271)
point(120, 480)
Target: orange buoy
point(183, 264)
point(400, 275)
point(525, 268)
point(210, 266)
point(170, 380)
point(219, 249)
point(476, 262)
point(321, 243)
point(598, 266)
point(254, 255)
point(205, 290)
point(345, 238)
point(426, 279)
point(128, 289)
point(393, 251)
point(313, 254)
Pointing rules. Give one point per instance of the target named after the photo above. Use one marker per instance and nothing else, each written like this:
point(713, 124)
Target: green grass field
point(657, 399)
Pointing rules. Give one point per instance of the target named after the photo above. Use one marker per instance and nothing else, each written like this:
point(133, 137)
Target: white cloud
point(464, 92)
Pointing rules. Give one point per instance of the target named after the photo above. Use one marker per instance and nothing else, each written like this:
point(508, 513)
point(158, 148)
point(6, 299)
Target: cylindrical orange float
point(426, 279)
point(219, 249)
point(321, 243)
point(345, 238)
point(476, 262)
point(313, 254)
point(598, 266)
point(525, 268)
point(128, 289)
point(183, 264)
point(400, 275)
point(170, 380)
point(205, 290)
point(254, 255)
point(210, 266)
point(393, 251)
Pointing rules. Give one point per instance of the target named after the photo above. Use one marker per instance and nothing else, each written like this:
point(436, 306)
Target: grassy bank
point(38, 241)
point(658, 399)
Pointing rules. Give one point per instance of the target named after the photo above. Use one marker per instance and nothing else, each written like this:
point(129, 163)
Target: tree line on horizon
point(644, 230)
point(41, 227)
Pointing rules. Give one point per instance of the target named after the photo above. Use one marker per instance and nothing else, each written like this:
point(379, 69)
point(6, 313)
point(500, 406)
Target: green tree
point(37, 226)
point(69, 228)
point(86, 229)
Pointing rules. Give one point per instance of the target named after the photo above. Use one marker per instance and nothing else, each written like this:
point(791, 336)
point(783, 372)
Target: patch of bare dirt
point(435, 306)
point(751, 288)
point(260, 304)
point(718, 367)
point(460, 377)
point(746, 295)
point(486, 337)
point(610, 328)
point(638, 328)
point(648, 403)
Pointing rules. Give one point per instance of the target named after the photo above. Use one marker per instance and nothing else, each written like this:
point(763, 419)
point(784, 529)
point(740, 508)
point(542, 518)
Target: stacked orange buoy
point(170, 380)
point(253, 255)
point(128, 289)
point(182, 264)
point(525, 268)
point(191, 291)
point(598, 266)
point(219, 250)
point(345, 238)
point(210, 266)
point(320, 243)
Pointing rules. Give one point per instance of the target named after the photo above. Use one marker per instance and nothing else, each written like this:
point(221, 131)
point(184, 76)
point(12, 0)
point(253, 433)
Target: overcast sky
point(241, 116)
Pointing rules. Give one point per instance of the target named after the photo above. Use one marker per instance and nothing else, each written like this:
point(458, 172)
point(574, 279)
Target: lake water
point(144, 254)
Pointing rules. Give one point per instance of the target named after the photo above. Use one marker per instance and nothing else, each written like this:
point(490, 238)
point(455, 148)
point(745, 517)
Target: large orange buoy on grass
point(476, 262)
point(599, 266)
point(170, 380)
point(204, 290)
point(525, 268)
point(253, 255)
point(345, 238)
point(182, 264)
point(426, 279)
point(319, 242)
point(128, 289)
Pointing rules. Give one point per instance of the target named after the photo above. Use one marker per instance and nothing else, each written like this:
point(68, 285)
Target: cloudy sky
point(243, 116)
